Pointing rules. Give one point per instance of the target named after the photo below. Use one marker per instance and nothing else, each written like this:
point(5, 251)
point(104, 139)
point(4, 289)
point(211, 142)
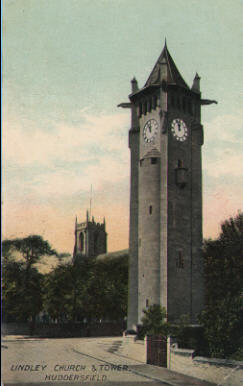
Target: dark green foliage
point(65, 291)
point(22, 283)
point(154, 321)
point(87, 289)
point(222, 317)
point(21, 291)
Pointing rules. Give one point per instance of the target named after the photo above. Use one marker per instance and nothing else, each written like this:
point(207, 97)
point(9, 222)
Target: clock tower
point(165, 140)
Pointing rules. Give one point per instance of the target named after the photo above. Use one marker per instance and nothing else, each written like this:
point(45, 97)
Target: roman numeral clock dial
point(150, 130)
point(179, 130)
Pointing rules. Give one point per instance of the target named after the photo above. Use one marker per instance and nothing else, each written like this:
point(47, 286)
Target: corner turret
point(196, 84)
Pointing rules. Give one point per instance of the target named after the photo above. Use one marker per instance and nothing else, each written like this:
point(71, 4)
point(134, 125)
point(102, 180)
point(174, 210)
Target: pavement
point(167, 376)
point(99, 351)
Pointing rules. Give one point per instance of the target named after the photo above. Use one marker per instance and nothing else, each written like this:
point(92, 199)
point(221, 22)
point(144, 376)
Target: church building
point(165, 140)
point(90, 239)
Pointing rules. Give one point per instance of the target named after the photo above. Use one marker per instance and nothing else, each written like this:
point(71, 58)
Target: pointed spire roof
point(173, 75)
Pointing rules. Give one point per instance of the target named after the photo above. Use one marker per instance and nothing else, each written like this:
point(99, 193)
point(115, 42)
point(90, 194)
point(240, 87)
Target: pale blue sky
point(66, 66)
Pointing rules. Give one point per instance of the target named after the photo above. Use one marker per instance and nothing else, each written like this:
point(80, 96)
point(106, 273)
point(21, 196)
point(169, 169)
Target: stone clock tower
point(165, 140)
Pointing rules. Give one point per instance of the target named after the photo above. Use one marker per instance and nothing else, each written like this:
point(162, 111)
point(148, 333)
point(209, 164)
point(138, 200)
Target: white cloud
point(67, 159)
point(223, 155)
point(225, 162)
point(72, 143)
point(227, 128)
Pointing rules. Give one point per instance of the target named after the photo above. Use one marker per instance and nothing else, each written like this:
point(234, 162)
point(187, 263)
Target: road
point(68, 361)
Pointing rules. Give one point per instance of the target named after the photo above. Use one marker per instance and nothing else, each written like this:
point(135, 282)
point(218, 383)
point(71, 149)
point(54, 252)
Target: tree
point(65, 291)
point(154, 321)
point(32, 248)
point(87, 289)
point(22, 283)
point(222, 317)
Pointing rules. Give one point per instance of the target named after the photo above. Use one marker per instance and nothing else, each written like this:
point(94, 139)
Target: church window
point(150, 104)
point(96, 243)
point(154, 101)
point(180, 260)
point(81, 239)
point(153, 160)
point(140, 109)
point(145, 107)
point(147, 303)
point(179, 163)
point(150, 209)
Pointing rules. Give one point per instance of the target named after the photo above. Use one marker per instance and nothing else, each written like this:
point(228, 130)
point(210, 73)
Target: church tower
point(90, 239)
point(165, 140)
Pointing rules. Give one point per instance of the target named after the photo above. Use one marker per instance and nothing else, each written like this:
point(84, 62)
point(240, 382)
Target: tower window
point(81, 241)
point(150, 209)
point(145, 107)
point(154, 102)
point(147, 302)
point(179, 163)
point(153, 160)
point(180, 260)
point(140, 109)
point(150, 104)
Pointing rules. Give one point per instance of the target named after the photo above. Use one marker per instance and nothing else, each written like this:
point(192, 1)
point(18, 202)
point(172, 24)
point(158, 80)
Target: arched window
point(154, 102)
point(150, 104)
point(180, 260)
point(81, 241)
point(145, 107)
point(96, 243)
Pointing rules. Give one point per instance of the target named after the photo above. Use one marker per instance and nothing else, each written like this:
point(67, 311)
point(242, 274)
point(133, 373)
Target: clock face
point(150, 130)
point(179, 130)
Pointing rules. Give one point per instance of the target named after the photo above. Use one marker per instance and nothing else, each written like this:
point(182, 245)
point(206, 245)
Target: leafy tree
point(32, 248)
point(154, 321)
point(22, 283)
point(109, 285)
point(87, 289)
point(222, 317)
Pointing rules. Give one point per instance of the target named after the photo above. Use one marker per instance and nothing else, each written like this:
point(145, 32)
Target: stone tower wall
point(149, 240)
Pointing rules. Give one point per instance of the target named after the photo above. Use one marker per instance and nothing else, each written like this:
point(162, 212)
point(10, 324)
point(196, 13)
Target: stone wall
point(64, 330)
point(219, 371)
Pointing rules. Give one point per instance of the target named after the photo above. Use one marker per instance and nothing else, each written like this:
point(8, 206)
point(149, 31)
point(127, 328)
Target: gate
point(157, 350)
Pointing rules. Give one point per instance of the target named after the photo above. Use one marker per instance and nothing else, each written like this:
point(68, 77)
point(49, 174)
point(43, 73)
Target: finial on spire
point(87, 215)
point(165, 43)
point(134, 84)
point(196, 83)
